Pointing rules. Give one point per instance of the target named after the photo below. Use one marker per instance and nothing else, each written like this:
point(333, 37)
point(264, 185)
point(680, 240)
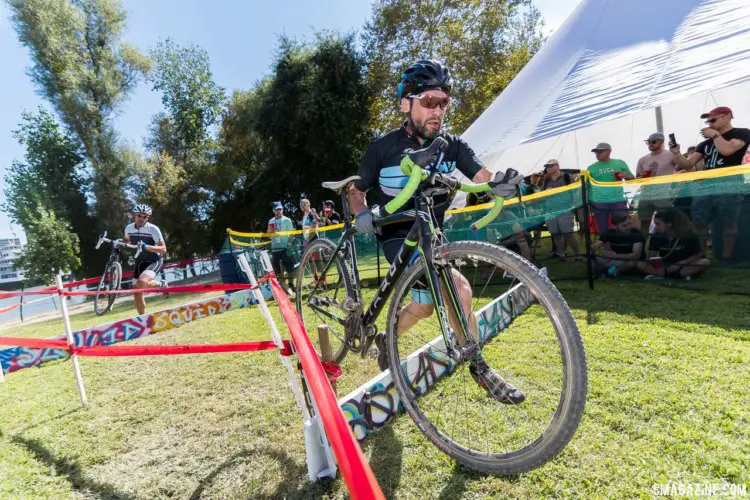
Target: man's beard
point(422, 130)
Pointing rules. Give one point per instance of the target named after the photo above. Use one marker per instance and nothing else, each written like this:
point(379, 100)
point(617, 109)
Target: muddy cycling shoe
point(382, 353)
point(497, 388)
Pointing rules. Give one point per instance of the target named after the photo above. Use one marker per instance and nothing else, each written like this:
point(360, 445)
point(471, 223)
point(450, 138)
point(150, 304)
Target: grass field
point(669, 400)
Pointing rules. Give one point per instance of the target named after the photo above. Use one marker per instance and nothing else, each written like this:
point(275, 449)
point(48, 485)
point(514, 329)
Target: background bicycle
point(112, 276)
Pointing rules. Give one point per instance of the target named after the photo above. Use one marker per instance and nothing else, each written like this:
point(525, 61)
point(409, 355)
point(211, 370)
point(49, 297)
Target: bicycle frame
point(419, 239)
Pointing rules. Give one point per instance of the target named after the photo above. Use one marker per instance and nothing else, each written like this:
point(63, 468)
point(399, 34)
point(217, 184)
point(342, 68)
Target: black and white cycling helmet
point(422, 76)
point(142, 208)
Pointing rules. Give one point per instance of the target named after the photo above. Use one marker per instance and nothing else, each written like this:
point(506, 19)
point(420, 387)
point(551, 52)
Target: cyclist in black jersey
point(153, 248)
point(424, 97)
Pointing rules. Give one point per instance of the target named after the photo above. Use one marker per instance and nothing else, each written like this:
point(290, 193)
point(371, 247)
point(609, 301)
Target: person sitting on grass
point(623, 247)
point(674, 250)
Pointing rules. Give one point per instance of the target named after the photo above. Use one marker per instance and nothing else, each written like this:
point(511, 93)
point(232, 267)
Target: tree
point(485, 43)
point(81, 66)
point(306, 123)
point(50, 177)
point(193, 100)
point(178, 179)
point(51, 246)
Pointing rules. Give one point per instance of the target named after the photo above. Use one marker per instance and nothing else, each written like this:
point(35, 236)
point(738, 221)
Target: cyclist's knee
point(142, 282)
point(421, 311)
point(462, 286)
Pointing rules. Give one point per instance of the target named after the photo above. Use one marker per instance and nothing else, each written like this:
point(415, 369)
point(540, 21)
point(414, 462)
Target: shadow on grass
point(386, 458)
point(652, 301)
point(291, 470)
point(70, 470)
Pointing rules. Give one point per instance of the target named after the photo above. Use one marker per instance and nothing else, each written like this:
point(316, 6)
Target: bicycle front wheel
point(115, 282)
point(529, 339)
point(323, 297)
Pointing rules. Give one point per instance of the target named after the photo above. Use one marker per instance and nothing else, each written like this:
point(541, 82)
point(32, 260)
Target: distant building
point(10, 250)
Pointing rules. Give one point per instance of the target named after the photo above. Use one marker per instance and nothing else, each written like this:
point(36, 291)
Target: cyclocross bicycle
point(112, 276)
point(486, 302)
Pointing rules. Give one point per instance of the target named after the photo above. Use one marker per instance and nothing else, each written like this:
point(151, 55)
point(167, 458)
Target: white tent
point(600, 77)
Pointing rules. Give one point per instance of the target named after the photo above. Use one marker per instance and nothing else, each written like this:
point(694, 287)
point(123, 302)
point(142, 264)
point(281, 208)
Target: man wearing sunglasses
point(424, 97)
point(657, 162)
point(153, 248)
point(724, 147)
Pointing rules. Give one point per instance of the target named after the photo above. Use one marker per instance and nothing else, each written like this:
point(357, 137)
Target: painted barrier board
point(376, 402)
point(17, 358)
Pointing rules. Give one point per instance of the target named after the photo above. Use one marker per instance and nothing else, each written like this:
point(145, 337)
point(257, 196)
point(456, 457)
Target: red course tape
point(168, 289)
point(357, 473)
point(146, 350)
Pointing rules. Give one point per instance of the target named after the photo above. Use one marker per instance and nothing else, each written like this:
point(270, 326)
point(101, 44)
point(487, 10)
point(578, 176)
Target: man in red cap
point(724, 147)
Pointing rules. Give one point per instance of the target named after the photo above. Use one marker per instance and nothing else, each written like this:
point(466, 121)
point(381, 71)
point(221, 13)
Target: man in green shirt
point(281, 253)
point(607, 200)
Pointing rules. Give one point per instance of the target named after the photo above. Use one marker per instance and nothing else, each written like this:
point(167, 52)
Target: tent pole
point(659, 120)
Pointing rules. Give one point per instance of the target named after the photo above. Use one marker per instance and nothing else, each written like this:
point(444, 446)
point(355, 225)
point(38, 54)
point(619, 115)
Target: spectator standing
point(725, 146)
point(310, 223)
point(281, 251)
point(674, 248)
point(623, 246)
point(330, 216)
point(611, 200)
point(561, 226)
point(656, 163)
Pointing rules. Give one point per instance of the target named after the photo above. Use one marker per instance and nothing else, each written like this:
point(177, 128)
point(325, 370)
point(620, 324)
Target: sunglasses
point(145, 216)
point(551, 165)
point(712, 120)
point(654, 142)
point(431, 101)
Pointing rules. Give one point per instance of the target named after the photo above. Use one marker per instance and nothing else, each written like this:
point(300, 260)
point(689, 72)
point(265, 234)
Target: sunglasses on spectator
point(654, 142)
point(551, 165)
point(431, 101)
point(712, 120)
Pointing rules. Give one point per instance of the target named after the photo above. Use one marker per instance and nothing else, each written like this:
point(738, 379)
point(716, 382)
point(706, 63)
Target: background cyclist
point(153, 248)
point(424, 98)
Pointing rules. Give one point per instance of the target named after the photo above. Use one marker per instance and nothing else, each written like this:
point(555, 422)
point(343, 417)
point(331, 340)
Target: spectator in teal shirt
point(607, 200)
point(281, 253)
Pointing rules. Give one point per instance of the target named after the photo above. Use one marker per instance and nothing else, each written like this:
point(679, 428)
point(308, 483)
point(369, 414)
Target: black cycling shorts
point(282, 256)
point(143, 266)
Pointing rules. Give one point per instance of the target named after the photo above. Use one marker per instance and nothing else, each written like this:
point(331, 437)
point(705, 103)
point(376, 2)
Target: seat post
point(345, 206)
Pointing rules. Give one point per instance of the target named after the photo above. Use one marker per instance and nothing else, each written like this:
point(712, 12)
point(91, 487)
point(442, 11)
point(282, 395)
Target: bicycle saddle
point(339, 185)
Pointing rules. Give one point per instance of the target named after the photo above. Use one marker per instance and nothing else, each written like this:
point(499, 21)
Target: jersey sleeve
point(158, 238)
point(624, 168)
point(368, 169)
point(466, 161)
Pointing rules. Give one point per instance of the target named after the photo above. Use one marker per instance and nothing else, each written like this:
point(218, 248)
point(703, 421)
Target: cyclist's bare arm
point(160, 248)
point(357, 199)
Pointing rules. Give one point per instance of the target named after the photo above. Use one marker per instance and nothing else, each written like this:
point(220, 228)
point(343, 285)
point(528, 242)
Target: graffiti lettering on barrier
point(17, 358)
point(374, 404)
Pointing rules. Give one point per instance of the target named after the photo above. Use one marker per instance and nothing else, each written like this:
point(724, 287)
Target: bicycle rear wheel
point(110, 280)
point(327, 303)
point(529, 338)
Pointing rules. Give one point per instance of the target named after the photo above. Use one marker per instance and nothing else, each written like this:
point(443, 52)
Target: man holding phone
point(724, 147)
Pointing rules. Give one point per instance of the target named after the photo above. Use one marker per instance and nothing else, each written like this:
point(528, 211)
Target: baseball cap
point(656, 136)
point(721, 110)
point(329, 202)
point(602, 146)
point(551, 161)
point(277, 205)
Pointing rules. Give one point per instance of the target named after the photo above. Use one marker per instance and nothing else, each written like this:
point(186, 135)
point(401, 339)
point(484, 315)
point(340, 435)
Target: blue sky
point(240, 37)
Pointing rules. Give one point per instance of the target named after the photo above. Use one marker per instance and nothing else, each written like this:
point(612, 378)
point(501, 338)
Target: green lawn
point(669, 399)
